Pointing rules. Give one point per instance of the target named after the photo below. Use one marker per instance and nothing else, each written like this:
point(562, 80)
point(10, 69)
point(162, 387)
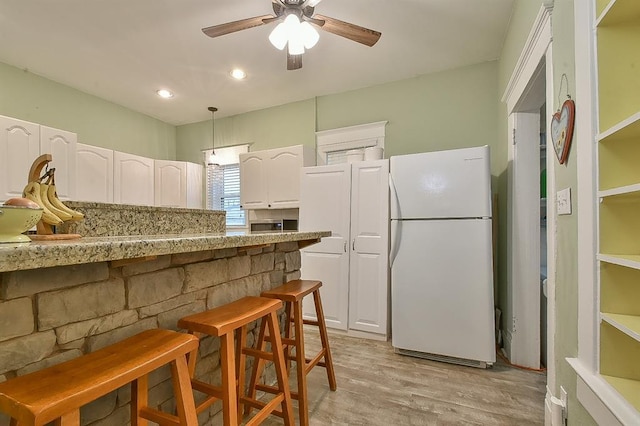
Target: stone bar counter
point(62, 299)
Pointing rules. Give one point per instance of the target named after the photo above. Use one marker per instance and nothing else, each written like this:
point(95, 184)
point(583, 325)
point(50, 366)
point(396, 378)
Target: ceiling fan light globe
point(292, 23)
point(309, 35)
point(278, 36)
point(296, 46)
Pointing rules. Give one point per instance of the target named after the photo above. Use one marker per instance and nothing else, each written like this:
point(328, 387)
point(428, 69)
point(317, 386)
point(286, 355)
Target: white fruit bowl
point(14, 220)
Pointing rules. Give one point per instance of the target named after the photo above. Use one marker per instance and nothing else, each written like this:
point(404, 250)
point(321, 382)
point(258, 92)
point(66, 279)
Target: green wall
point(97, 122)
point(285, 125)
point(451, 109)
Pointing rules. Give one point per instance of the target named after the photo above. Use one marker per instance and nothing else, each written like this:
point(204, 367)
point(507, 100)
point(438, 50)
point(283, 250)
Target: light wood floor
point(378, 387)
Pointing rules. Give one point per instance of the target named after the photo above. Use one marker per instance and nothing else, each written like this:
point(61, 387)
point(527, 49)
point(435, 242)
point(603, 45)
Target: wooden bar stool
point(58, 392)
point(292, 294)
point(222, 322)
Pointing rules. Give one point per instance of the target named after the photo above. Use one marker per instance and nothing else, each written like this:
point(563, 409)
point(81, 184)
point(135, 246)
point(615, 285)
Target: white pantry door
point(369, 259)
point(325, 206)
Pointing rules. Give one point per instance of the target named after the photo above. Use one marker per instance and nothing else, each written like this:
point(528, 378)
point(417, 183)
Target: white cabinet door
point(19, 146)
point(195, 174)
point(94, 174)
point(170, 183)
point(253, 180)
point(324, 205)
point(133, 181)
point(283, 169)
point(369, 259)
point(270, 179)
point(62, 147)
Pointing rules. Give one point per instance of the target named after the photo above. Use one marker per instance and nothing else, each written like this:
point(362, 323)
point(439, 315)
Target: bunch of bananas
point(44, 194)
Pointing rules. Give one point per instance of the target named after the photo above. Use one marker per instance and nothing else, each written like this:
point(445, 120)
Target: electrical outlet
point(563, 201)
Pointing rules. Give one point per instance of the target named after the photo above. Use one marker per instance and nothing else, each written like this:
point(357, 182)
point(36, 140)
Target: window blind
point(223, 192)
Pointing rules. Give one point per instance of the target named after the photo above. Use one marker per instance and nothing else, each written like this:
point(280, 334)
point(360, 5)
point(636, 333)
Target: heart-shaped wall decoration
point(562, 129)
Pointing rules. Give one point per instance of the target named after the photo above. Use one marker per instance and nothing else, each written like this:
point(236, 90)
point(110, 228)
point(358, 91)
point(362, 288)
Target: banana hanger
point(45, 231)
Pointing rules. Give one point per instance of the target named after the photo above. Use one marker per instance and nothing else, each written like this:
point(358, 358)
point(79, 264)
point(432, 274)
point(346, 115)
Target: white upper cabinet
point(195, 175)
point(133, 179)
point(94, 174)
point(253, 183)
point(19, 146)
point(62, 147)
point(170, 183)
point(270, 179)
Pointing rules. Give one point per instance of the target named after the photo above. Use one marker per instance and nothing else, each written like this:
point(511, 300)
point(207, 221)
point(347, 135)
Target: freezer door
point(444, 184)
point(442, 288)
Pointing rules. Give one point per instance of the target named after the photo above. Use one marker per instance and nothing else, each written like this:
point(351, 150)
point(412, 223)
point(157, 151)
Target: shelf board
point(629, 191)
point(627, 260)
point(629, 128)
point(629, 389)
point(628, 324)
point(619, 12)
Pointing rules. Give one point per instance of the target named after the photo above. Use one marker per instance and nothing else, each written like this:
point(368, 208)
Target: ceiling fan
point(296, 30)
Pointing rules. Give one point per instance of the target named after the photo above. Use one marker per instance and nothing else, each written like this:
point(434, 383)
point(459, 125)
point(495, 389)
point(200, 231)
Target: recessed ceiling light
point(238, 74)
point(163, 93)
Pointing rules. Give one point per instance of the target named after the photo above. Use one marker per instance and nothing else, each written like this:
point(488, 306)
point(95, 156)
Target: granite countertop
point(44, 254)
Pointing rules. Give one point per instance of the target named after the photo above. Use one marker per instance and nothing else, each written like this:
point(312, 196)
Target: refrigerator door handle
point(394, 199)
point(396, 235)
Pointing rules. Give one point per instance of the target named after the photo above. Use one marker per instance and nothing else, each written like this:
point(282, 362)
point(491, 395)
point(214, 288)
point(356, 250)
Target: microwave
point(273, 225)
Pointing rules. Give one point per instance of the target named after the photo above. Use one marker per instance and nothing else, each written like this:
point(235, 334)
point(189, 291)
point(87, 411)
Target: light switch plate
point(563, 201)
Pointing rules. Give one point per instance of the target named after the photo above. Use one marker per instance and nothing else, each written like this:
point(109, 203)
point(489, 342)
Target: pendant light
point(213, 136)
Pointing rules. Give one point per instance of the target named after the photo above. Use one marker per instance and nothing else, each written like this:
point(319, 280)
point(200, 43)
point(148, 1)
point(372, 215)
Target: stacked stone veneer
point(51, 315)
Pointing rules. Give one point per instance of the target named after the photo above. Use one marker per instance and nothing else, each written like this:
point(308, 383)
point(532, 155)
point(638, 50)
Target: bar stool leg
point(139, 399)
point(278, 360)
point(69, 419)
point(258, 366)
point(287, 334)
point(241, 342)
point(301, 363)
point(183, 392)
point(324, 338)
point(227, 360)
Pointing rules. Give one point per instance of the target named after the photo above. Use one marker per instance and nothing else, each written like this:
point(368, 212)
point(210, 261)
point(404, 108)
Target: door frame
point(524, 323)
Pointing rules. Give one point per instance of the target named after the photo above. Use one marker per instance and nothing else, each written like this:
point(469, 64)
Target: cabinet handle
point(353, 245)
point(269, 205)
point(345, 246)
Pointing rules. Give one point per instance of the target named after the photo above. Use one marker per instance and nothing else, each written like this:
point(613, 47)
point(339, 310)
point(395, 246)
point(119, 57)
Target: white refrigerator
point(441, 256)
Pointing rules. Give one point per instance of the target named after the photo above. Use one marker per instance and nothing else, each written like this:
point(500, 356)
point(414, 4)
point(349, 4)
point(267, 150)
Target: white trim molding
point(535, 47)
point(534, 65)
point(360, 136)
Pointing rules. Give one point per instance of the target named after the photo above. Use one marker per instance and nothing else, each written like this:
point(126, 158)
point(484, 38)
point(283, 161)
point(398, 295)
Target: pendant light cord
point(213, 130)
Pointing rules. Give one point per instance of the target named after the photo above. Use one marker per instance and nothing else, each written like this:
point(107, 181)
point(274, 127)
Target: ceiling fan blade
point(294, 62)
point(351, 31)
point(232, 27)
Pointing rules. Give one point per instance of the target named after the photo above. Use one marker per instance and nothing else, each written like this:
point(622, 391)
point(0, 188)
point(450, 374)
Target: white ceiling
point(125, 50)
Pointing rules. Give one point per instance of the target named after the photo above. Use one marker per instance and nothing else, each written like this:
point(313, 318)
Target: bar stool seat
point(58, 392)
point(223, 322)
point(292, 293)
